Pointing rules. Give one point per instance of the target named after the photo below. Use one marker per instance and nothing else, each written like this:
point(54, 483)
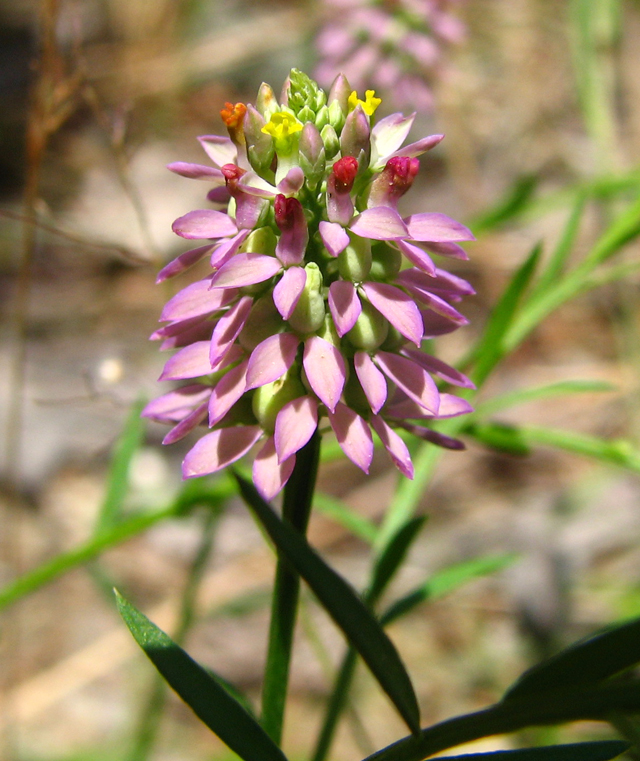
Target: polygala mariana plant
point(310, 318)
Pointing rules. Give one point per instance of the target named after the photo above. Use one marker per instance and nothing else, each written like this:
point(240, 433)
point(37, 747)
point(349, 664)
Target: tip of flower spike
point(369, 104)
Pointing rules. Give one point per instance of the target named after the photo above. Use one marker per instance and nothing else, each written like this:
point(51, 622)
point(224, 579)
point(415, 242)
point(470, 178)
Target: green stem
point(296, 508)
point(336, 704)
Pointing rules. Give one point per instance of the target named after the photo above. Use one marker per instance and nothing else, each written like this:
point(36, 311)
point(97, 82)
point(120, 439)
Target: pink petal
point(325, 370)
point(438, 305)
point(228, 329)
point(371, 379)
point(345, 305)
point(204, 223)
point(430, 226)
point(176, 405)
point(353, 435)
point(438, 367)
point(186, 425)
point(271, 359)
point(227, 248)
point(183, 262)
point(195, 300)
point(295, 425)
point(453, 250)
point(227, 392)
point(288, 290)
point(419, 147)
point(292, 181)
point(379, 223)
point(190, 362)
point(269, 475)
point(218, 449)
point(394, 445)
point(245, 269)
point(452, 406)
point(443, 282)
point(334, 237)
point(219, 149)
point(389, 134)
point(437, 325)
point(417, 256)
point(196, 171)
point(398, 307)
point(411, 378)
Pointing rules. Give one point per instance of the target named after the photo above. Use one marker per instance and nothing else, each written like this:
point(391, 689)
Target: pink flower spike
point(411, 378)
point(353, 435)
point(345, 305)
point(204, 223)
point(334, 237)
point(271, 359)
point(295, 425)
point(288, 290)
point(187, 425)
point(183, 262)
point(227, 392)
point(196, 171)
point(269, 475)
point(228, 329)
point(394, 445)
point(398, 308)
point(195, 300)
point(418, 257)
point(245, 269)
point(190, 362)
point(325, 370)
point(431, 226)
point(419, 147)
point(218, 449)
point(381, 223)
point(219, 149)
point(371, 379)
point(437, 367)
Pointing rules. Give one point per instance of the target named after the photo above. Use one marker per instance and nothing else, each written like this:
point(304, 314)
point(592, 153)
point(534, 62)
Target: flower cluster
point(308, 317)
point(393, 45)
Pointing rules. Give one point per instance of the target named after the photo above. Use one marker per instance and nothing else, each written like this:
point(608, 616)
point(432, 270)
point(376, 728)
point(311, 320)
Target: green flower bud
point(354, 263)
point(312, 154)
point(354, 396)
point(308, 315)
point(260, 241)
point(340, 92)
point(330, 140)
point(328, 331)
point(266, 102)
point(269, 399)
point(264, 321)
point(322, 117)
point(394, 340)
point(306, 114)
point(386, 262)
point(370, 330)
point(336, 116)
point(260, 148)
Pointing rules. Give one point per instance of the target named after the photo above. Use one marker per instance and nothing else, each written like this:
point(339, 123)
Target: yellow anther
point(282, 126)
point(370, 103)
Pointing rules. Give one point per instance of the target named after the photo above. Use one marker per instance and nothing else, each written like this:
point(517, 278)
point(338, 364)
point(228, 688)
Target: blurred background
point(538, 99)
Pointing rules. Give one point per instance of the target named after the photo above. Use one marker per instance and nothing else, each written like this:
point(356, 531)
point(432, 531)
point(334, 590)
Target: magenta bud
point(340, 92)
point(393, 181)
point(345, 171)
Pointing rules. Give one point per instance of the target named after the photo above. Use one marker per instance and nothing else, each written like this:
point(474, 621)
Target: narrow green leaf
point(515, 201)
point(344, 606)
point(392, 557)
point(335, 509)
point(500, 436)
point(521, 396)
point(589, 751)
point(490, 348)
point(558, 258)
point(209, 700)
point(446, 581)
point(588, 661)
point(118, 478)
